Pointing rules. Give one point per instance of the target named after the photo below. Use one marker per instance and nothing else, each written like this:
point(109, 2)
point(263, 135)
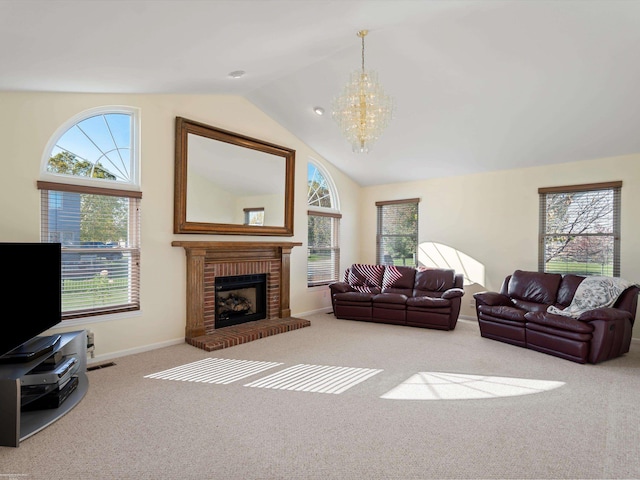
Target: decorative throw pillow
point(398, 277)
point(367, 275)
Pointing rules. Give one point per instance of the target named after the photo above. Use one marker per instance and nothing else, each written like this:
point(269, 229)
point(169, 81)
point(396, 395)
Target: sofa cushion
point(367, 289)
point(351, 297)
point(432, 282)
point(502, 311)
point(365, 275)
point(559, 322)
point(390, 298)
point(530, 306)
point(535, 287)
point(398, 277)
point(428, 302)
point(567, 289)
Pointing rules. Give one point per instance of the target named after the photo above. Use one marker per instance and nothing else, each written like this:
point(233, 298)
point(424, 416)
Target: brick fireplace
point(207, 261)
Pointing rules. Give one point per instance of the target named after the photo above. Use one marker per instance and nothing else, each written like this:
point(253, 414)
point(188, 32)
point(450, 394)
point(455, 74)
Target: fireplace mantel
point(203, 257)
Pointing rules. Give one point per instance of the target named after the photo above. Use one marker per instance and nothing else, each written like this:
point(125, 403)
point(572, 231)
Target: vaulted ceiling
point(478, 85)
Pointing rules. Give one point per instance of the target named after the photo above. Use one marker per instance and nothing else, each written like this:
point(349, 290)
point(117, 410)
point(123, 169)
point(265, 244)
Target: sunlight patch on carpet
point(315, 378)
point(458, 386)
point(214, 370)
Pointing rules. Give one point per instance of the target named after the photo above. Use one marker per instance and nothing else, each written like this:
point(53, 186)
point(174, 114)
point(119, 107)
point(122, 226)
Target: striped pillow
point(366, 275)
point(398, 277)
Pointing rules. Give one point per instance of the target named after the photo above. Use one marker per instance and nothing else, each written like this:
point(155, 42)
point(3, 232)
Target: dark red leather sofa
point(518, 315)
point(416, 297)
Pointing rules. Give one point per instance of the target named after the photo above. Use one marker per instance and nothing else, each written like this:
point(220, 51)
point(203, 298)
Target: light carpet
point(132, 427)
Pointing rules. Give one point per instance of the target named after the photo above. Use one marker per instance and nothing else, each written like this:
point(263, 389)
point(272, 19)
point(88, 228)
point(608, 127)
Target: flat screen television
point(31, 286)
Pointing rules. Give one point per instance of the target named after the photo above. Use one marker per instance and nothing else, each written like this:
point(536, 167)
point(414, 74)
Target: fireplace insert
point(240, 299)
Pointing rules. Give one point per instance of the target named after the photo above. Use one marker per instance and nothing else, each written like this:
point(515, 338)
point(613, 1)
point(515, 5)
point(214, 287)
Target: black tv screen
point(31, 286)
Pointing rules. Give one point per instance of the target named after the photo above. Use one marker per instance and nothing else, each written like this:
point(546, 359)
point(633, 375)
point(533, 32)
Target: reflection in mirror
point(254, 216)
point(224, 180)
point(231, 184)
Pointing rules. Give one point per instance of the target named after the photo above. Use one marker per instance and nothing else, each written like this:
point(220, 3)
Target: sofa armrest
point(453, 293)
point(604, 314)
point(492, 299)
point(341, 287)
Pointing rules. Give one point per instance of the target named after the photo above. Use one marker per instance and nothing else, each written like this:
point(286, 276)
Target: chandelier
point(363, 110)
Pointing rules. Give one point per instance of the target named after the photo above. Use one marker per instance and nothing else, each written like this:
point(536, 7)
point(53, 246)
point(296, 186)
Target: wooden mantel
point(201, 253)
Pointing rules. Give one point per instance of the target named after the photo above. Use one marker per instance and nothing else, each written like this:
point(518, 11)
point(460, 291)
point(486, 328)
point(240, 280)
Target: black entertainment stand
point(17, 425)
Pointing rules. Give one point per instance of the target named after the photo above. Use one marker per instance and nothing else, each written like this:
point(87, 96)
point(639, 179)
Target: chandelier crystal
point(363, 110)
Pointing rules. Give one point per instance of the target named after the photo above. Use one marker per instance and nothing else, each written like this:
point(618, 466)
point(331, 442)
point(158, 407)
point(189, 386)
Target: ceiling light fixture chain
point(363, 110)
point(362, 34)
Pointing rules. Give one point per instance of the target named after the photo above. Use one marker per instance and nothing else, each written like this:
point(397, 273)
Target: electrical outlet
point(90, 345)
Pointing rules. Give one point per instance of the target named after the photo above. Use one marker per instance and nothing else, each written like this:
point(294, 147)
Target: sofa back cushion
point(433, 282)
point(567, 290)
point(365, 278)
point(398, 280)
point(534, 287)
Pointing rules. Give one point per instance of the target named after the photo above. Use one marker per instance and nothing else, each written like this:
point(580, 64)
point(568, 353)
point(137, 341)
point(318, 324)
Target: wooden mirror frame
point(181, 225)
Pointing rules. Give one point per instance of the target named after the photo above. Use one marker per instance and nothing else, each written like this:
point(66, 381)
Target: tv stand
point(17, 425)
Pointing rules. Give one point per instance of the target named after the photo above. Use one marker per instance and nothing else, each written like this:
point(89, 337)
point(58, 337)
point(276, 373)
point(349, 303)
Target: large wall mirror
point(227, 183)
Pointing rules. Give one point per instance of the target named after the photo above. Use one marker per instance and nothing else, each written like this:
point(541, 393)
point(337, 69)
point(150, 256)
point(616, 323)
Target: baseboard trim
point(123, 353)
point(313, 312)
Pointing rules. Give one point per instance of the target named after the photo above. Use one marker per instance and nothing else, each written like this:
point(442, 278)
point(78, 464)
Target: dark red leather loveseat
point(416, 297)
point(518, 315)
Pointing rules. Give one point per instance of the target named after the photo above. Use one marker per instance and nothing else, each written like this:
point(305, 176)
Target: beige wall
point(493, 217)
point(28, 120)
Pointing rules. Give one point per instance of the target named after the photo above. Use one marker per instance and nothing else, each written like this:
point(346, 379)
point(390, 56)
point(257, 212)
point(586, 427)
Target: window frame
point(133, 184)
point(380, 236)
point(55, 182)
point(332, 212)
point(615, 187)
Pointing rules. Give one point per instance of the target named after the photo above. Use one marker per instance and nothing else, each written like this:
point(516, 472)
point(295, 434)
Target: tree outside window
point(580, 229)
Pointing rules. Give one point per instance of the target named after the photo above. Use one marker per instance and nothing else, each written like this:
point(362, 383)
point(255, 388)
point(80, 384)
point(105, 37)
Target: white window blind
point(323, 256)
point(100, 236)
point(580, 229)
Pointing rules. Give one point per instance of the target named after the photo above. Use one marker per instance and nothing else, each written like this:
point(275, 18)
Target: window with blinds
point(580, 229)
point(323, 248)
point(323, 228)
point(90, 204)
point(397, 236)
point(99, 233)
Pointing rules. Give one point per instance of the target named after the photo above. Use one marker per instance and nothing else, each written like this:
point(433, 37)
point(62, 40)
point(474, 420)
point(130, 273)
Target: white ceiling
point(478, 85)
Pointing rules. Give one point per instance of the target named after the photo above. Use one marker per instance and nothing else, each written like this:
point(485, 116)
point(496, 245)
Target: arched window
point(323, 246)
point(90, 204)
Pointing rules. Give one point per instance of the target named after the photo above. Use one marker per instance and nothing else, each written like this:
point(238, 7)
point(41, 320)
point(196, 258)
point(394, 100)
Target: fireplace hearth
point(240, 299)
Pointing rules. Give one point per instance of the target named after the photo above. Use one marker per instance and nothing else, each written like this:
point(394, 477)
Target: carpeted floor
point(346, 400)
